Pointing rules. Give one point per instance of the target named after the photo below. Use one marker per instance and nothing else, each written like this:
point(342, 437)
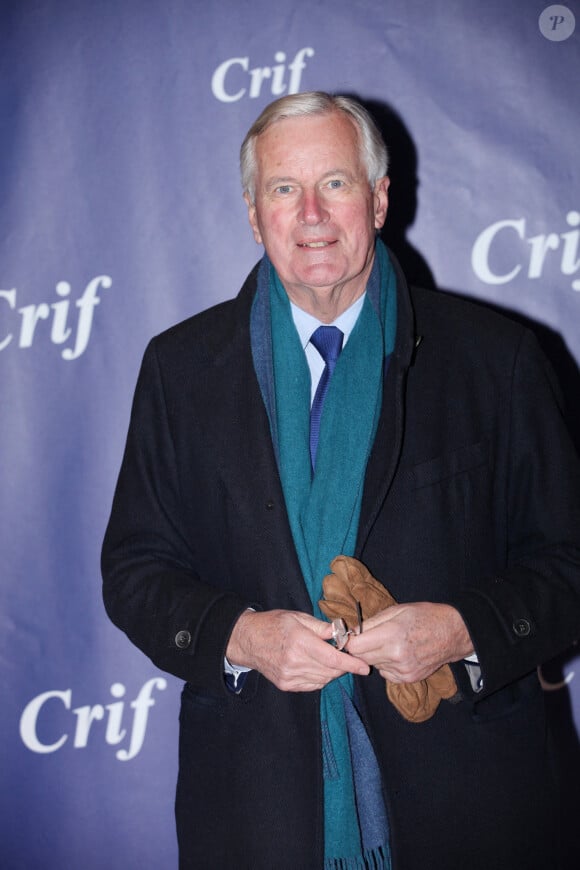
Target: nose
point(312, 209)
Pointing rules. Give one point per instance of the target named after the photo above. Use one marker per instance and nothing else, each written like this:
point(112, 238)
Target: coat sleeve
point(530, 611)
point(152, 586)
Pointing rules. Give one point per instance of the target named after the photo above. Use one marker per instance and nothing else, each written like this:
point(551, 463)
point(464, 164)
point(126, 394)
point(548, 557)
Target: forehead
point(311, 143)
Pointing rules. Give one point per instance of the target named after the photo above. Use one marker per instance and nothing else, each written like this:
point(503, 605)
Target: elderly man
point(328, 411)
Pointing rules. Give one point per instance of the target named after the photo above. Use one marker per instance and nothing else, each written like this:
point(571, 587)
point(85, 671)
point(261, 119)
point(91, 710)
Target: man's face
point(314, 212)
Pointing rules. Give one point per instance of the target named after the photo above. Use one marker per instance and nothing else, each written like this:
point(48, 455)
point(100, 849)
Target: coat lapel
point(248, 467)
point(384, 458)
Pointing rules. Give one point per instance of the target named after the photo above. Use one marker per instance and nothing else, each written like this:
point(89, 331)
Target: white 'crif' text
point(23, 326)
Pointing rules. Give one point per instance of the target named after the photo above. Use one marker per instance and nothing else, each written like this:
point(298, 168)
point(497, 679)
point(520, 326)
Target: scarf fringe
point(371, 859)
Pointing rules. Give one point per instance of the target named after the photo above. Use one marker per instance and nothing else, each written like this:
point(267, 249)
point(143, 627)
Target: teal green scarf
point(324, 510)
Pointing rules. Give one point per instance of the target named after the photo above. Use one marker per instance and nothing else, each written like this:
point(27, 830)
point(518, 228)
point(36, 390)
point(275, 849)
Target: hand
point(290, 649)
point(408, 642)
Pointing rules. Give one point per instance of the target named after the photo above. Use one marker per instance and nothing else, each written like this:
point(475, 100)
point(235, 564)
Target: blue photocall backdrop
point(121, 213)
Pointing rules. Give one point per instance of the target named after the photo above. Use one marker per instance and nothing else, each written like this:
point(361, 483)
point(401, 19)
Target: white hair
point(373, 150)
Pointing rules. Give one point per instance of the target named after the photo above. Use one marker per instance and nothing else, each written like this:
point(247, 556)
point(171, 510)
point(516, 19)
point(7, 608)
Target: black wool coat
point(472, 497)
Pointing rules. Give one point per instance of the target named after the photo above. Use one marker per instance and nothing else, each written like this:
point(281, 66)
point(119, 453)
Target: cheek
point(357, 216)
point(276, 231)
point(359, 225)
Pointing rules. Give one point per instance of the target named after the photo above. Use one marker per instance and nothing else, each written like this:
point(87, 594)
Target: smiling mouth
point(315, 244)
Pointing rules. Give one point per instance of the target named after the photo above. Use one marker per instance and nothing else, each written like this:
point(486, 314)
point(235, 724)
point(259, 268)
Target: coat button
point(269, 505)
point(182, 639)
point(522, 627)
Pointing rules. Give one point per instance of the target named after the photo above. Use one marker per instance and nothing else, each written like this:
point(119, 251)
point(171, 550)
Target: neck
point(325, 308)
point(328, 303)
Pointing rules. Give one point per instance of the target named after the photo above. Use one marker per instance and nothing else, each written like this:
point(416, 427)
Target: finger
point(320, 627)
point(372, 646)
point(384, 616)
point(315, 673)
point(341, 662)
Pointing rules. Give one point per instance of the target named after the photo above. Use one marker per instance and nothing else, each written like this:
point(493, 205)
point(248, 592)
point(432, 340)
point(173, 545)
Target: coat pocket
point(442, 531)
point(448, 465)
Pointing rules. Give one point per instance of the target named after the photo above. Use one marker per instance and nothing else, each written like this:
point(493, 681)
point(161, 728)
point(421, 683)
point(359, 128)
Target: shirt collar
point(305, 323)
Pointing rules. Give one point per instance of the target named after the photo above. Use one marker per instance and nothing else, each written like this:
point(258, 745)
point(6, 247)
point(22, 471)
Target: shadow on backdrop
point(403, 201)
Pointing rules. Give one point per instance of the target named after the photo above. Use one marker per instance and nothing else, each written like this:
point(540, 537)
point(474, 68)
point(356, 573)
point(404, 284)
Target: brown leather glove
point(352, 582)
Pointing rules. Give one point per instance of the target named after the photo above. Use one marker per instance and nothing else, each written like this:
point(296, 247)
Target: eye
point(335, 184)
point(283, 188)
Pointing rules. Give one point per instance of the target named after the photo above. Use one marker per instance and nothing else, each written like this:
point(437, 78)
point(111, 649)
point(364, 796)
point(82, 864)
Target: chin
point(321, 276)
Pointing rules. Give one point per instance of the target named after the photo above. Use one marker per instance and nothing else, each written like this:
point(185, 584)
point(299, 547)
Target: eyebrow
point(279, 179)
point(290, 179)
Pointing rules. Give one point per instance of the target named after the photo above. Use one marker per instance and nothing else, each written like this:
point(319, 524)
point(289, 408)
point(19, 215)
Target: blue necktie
point(328, 342)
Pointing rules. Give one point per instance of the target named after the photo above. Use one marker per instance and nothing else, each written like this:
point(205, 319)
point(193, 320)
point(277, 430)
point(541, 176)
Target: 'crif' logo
point(233, 78)
point(20, 325)
point(40, 732)
point(498, 255)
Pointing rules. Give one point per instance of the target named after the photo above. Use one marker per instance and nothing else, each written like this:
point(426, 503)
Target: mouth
point(320, 244)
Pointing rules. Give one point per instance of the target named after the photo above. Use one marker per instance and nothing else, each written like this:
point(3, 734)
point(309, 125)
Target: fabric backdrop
point(120, 214)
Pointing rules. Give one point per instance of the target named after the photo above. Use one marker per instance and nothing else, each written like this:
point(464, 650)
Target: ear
point(253, 218)
point(381, 201)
